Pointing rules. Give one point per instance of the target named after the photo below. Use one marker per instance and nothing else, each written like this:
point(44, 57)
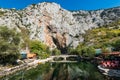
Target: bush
point(73, 52)
point(44, 55)
point(2, 13)
point(9, 45)
point(39, 48)
point(83, 50)
point(56, 52)
point(116, 44)
point(90, 52)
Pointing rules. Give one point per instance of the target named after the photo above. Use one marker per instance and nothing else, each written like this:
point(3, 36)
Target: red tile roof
point(113, 53)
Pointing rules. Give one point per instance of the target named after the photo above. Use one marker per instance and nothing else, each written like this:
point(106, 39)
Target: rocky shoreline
point(26, 66)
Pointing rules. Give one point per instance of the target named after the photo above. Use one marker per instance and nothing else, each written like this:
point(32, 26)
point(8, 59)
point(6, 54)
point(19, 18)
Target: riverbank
point(27, 66)
point(33, 63)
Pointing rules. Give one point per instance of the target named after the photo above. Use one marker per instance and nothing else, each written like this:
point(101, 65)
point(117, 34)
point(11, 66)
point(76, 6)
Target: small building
point(113, 53)
point(31, 55)
point(23, 54)
point(98, 51)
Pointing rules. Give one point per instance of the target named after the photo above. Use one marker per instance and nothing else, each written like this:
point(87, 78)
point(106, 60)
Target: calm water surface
point(61, 71)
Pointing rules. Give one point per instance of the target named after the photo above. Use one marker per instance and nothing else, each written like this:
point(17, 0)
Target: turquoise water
point(61, 71)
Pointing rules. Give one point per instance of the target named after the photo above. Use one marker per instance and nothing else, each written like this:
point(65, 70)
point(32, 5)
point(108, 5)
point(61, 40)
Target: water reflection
point(74, 71)
point(61, 71)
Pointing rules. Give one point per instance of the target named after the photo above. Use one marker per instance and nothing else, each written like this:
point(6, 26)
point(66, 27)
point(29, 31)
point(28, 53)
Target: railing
point(64, 58)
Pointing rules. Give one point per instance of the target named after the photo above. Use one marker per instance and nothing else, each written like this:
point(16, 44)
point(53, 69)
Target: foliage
point(90, 51)
point(100, 37)
point(84, 15)
point(44, 55)
point(83, 50)
point(56, 52)
point(39, 48)
point(9, 45)
point(35, 46)
point(116, 44)
point(74, 51)
point(114, 25)
point(2, 13)
point(105, 50)
point(103, 37)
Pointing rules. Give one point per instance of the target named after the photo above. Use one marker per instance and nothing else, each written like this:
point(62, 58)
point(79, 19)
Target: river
point(61, 71)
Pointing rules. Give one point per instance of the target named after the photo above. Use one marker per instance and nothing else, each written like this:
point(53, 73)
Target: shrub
point(39, 48)
point(56, 52)
point(9, 45)
point(2, 13)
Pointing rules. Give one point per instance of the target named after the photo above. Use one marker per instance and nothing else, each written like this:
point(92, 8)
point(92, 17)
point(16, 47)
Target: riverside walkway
point(36, 62)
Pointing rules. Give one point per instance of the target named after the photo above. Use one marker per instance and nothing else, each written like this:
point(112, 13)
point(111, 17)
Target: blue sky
point(67, 4)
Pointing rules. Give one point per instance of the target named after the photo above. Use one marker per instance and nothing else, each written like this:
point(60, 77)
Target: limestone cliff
point(55, 26)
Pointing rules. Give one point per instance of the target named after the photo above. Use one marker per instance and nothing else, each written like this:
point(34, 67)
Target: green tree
point(9, 45)
point(116, 44)
point(90, 52)
point(39, 48)
point(105, 49)
point(56, 52)
point(84, 50)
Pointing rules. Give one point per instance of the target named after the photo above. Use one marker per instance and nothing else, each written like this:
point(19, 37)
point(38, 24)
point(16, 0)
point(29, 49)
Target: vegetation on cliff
point(99, 38)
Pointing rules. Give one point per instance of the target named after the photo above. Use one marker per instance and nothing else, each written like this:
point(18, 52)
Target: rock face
point(55, 26)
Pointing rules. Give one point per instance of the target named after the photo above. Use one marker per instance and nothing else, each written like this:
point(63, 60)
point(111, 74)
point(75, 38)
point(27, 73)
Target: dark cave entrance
point(64, 50)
